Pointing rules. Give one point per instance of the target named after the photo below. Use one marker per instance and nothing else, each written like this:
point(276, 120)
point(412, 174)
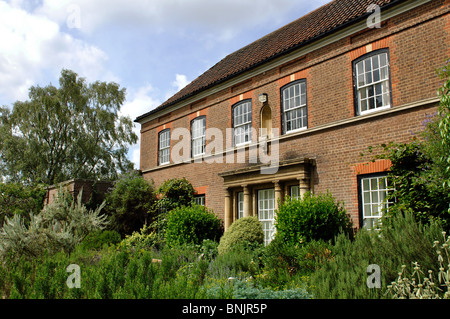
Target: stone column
point(228, 213)
point(247, 201)
point(278, 193)
point(304, 186)
point(255, 203)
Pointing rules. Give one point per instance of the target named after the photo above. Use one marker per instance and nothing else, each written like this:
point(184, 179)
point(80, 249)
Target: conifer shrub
point(401, 240)
point(192, 225)
point(244, 231)
point(314, 217)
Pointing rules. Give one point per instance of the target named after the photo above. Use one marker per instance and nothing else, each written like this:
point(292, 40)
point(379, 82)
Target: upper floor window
point(198, 135)
point(295, 114)
point(372, 82)
point(164, 147)
point(242, 123)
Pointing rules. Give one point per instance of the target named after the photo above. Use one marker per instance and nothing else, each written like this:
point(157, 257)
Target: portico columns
point(278, 193)
point(247, 201)
point(228, 218)
point(304, 186)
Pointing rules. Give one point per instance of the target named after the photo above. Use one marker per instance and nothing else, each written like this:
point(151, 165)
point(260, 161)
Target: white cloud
point(139, 101)
point(222, 17)
point(34, 47)
point(180, 81)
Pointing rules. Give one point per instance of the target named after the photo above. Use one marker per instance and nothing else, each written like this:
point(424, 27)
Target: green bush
point(314, 217)
point(61, 226)
point(192, 225)
point(175, 193)
point(399, 242)
point(99, 239)
point(131, 203)
point(247, 230)
point(17, 199)
point(239, 289)
point(144, 239)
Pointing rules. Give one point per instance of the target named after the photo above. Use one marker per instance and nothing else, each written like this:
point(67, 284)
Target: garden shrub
point(61, 226)
point(175, 193)
point(144, 239)
point(314, 217)
point(99, 239)
point(17, 199)
point(239, 289)
point(399, 242)
point(283, 261)
point(131, 203)
point(238, 262)
point(192, 225)
point(247, 230)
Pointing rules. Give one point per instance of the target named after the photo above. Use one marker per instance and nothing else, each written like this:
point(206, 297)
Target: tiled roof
point(320, 22)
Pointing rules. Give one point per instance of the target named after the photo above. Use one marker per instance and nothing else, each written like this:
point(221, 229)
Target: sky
point(153, 48)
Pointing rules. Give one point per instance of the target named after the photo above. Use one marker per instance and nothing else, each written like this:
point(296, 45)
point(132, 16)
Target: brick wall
point(418, 43)
point(97, 189)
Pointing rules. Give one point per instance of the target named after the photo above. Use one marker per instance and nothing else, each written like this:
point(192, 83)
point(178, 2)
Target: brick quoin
point(418, 43)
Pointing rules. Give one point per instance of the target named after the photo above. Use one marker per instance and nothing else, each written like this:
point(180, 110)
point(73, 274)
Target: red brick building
point(311, 96)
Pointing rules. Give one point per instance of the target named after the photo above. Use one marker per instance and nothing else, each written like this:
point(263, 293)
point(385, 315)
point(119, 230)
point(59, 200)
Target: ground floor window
point(200, 200)
point(374, 191)
point(266, 213)
point(295, 192)
point(240, 205)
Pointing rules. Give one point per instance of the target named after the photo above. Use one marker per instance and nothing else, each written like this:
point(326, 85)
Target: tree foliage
point(175, 193)
point(17, 199)
point(73, 131)
point(444, 121)
point(420, 172)
point(131, 203)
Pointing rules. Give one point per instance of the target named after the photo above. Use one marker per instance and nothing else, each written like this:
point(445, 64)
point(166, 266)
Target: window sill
point(387, 107)
point(296, 131)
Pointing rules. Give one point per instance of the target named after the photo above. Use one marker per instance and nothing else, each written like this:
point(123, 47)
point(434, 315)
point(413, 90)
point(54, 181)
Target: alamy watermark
point(374, 277)
point(73, 20)
point(374, 20)
point(220, 149)
point(74, 279)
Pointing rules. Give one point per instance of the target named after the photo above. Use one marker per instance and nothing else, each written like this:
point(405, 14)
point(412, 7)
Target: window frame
point(160, 149)
point(203, 137)
point(297, 190)
point(239, 205)
point(356, 87)
point(305, 106)
point(361, 200)
point(200, 200)
point(267, 221)
point(250, 123)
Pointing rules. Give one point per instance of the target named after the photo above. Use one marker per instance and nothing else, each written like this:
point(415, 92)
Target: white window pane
point(375, 64)
point(368, 65)
point(383, 59)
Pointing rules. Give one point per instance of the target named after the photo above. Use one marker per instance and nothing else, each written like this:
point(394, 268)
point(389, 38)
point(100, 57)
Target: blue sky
point(153, 48)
